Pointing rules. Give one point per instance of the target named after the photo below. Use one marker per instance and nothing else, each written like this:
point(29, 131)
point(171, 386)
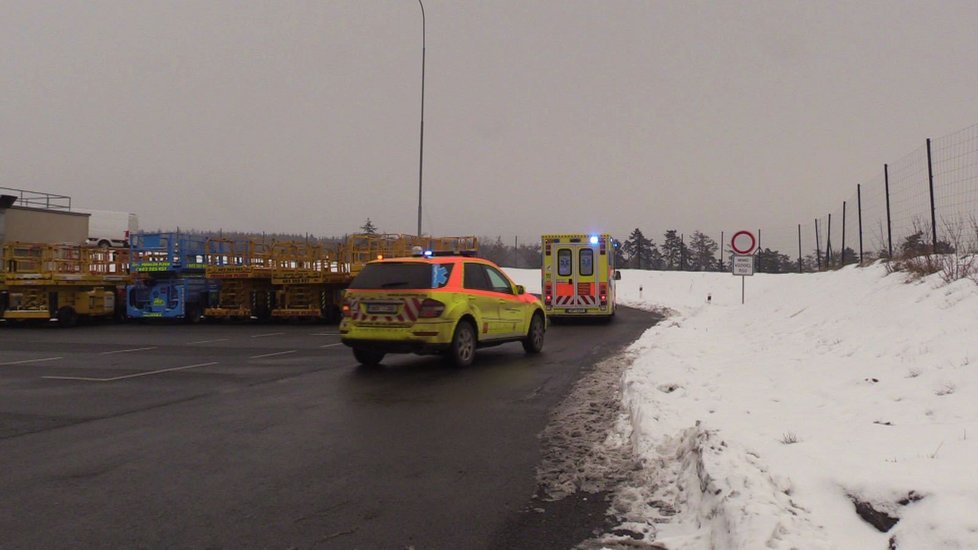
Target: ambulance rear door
point(574, 276)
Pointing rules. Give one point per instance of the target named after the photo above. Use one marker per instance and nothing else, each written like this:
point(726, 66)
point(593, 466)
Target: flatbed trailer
point(62, 283)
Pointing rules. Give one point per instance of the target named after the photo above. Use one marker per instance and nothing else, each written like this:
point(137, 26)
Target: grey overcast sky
point(548, 115)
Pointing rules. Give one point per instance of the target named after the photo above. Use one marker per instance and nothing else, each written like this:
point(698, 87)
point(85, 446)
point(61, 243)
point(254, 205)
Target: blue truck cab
point(169, 277)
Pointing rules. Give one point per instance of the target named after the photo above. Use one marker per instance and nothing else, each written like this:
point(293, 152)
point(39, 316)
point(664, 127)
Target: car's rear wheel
point(462, 351)
point(533, 343)
point(368, 357)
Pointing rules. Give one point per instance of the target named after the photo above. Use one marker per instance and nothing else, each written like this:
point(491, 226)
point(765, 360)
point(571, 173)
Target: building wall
point(42, 226)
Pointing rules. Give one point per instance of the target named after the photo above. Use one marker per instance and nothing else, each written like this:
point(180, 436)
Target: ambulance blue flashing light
point(428, 253)
point(594, 239)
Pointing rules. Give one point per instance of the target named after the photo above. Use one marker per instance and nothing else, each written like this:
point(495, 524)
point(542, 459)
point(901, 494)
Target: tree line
point(675, 251)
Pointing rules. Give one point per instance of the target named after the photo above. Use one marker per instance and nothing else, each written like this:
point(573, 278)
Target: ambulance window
point(475, 277)
point(587, 262)
point(564, 262)
point(498, 281)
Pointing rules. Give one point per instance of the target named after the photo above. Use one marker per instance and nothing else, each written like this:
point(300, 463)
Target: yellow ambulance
point(578, 275)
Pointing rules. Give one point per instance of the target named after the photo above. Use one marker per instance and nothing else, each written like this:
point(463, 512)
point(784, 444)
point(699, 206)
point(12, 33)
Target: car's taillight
point(604, 294)
point(431, 308)
point(346, 309)
point(548, 296)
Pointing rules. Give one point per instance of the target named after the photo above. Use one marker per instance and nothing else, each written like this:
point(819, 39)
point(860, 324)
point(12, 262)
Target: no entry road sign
point(743, 242)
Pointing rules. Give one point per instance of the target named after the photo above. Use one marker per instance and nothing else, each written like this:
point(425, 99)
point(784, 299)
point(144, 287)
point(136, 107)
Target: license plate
point(575, 310)
point(381, 308)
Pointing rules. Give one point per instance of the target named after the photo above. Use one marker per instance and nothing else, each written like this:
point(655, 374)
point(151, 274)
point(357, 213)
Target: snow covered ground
point(760, 425)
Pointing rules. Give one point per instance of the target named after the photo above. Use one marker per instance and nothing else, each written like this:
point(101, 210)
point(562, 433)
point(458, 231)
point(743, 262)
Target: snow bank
point(761, 425)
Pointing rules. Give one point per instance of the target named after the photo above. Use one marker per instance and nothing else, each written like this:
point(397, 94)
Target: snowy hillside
point(762, 425)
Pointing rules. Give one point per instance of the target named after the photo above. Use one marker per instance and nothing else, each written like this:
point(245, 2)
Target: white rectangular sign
point(743, 265)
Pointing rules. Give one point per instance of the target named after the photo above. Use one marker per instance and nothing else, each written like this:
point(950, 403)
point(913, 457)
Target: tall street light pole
point(421, 157)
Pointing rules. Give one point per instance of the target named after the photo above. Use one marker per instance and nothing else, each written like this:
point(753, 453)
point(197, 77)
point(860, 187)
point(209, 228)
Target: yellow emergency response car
point(578, 275)
point(432, 304)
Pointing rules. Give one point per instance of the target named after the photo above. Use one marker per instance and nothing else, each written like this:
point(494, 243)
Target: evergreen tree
point(638, 250)
point(368, 227)
point(655, 257)
point(772, 261)
point(702, 253)
point(673, 250)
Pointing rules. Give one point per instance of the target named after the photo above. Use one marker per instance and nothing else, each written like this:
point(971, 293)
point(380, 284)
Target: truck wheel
point(67, 317)
point(462, 351)
point(368, 357)
point(533, 343)
point(192, 314)
point(332, 314)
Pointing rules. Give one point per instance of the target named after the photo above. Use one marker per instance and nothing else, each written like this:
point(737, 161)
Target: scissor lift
point(244, 270)
point(308, 280)
point(62, 282)
point(169, 282)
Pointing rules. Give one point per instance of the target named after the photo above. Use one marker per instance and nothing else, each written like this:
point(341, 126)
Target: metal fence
point(924, 202)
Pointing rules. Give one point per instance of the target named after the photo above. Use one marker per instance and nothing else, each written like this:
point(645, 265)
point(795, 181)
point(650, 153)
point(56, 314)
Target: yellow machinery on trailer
point(359, 249)
point(62, 282)
point(308, 280)
point(4, 295)
point(244, 270)
point(299, 279)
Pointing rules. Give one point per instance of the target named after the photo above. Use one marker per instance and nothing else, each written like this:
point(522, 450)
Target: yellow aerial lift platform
point(309, 281)
point(245, 272)
point(62, 282)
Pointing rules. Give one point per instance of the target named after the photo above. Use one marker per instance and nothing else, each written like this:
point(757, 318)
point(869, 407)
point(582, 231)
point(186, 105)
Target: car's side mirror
point(617, 275)
point(520, 290)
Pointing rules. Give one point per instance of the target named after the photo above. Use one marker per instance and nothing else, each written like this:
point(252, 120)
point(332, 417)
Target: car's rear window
point(407, 275)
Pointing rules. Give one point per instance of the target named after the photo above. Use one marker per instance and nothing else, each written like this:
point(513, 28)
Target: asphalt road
point(234, 436)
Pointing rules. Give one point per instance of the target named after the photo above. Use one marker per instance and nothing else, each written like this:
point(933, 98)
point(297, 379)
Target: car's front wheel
point(368, 357)
point(462, 351)
point(533, 343)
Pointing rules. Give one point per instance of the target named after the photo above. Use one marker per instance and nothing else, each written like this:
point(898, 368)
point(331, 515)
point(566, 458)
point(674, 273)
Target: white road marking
point(331, 345)
point(126, 350)
point(138, 374)
point(272, 354)
point(325, 334)
point(264, 335)
point(208, 341)
point(25, 361)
